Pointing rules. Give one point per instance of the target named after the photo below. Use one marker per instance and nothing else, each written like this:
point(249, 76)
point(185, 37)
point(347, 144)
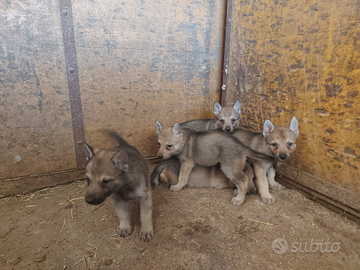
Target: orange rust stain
point(302, 58)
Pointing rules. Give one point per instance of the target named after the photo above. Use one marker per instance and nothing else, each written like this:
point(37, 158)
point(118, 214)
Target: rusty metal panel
point(36, 132)
point(302, 58)
point(142, 61)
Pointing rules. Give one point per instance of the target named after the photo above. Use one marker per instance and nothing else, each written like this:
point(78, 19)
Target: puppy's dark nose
point(283, 156)
point(228, 129)
point(89, 200)
point(160, 156)
point(252, 191)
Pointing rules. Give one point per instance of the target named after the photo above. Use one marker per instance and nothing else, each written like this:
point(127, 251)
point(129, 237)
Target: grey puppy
point(121, 174)
point(207, 149)
point(167, 172)
point(226, 119)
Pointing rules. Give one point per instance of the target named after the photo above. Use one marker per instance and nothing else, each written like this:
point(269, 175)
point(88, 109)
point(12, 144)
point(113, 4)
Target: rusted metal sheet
point(302, 58)
point(142, 61)
point(125, 65)
point(36, 134)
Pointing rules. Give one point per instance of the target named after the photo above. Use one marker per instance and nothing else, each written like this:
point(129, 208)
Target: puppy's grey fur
point(167, 172)
point(226, 119)
point(121, 174)
point(207, 149)
point(278, 142)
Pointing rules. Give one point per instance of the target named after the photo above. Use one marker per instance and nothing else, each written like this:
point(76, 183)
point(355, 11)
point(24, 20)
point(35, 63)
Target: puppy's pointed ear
point(217, 108)
point(177, 130)
point(268, 128)
point(294, 126)
point(236, 107)
point(89, 151)
point(158, 127)
point(121, 160)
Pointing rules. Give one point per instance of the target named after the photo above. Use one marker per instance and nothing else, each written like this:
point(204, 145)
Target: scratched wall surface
point(302, 58)
point(142, 61)
point(138, 62)
point(36, 132)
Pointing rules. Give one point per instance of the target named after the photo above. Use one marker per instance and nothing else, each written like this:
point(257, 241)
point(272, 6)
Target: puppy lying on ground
point(121, 174)
point(167, 172)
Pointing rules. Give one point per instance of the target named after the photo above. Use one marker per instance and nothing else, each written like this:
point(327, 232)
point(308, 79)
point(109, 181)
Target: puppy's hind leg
point(263, 184)
point(147, 231)
point(125, 227)
point(185, 169)
point(240, 179)
point(271, 179)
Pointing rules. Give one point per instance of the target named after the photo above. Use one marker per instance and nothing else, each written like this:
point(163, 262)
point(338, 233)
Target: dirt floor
point(194, 229)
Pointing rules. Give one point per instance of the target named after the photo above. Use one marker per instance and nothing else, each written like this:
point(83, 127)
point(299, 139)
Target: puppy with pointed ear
point(121, 174)
point(294, 126)
point(170, 140)
point(281, 140)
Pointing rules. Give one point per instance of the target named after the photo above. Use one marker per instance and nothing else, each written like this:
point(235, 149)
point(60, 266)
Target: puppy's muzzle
point(251, 191)
point(94, 200)
point(227, 129)
point(160, 156)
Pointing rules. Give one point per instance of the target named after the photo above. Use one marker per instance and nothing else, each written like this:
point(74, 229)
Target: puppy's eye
point(88, 181)
point(106, 181)
point(159, 145)
point(232, 120)
point(274, 144)
point(290, 144)
point(169, 146)
point(222, 120)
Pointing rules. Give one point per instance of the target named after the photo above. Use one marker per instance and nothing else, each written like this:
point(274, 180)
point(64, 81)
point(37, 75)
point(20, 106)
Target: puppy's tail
point(118, 138)
point(254, 155)
point(155, 176)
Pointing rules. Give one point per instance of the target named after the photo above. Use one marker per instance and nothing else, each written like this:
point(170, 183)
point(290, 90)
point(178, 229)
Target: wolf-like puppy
point(278, 142)
point(207, 149)
point(226, 119)
point(121, 174)
point(167, 172)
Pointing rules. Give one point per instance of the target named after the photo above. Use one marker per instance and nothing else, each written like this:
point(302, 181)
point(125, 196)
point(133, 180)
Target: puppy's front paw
point(237, 201)
point(268, 199)
point(175, 187)
point(146, 236)
point(275, 186)
point(124, 230)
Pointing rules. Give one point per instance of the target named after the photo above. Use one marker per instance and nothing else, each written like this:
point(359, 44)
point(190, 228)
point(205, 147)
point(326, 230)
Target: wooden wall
point(70, 69)
point(302, 58)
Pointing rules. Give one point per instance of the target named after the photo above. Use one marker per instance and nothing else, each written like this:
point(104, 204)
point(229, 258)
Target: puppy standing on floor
point(278, 142)
point(227, 120)
point(207, 149)
point(121, 174)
